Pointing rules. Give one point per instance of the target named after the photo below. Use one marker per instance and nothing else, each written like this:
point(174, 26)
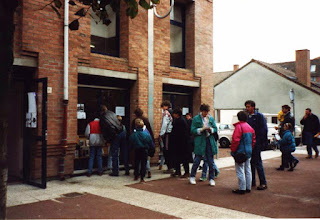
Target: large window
point(105, 39)
point(177, 36)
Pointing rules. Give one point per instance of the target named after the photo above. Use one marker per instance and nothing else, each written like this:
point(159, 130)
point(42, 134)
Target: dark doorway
point(179, 96)
point(94, 91)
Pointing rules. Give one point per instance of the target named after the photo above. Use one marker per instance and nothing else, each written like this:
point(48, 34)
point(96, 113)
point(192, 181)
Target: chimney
point(303, 67)
point(235, 67)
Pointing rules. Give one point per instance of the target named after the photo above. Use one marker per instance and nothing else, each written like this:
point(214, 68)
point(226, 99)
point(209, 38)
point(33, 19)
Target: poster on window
point(120, 110)
point(80, 112)
point(31, 120)
point(31, 115)
point(185, 111)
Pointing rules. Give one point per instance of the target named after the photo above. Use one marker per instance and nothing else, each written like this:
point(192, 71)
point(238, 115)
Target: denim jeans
point(308, 139)
point(205, 169)
point(115, 146)
point(208, 157)
point(243, 171)
point(93, 151)
point(256, 164)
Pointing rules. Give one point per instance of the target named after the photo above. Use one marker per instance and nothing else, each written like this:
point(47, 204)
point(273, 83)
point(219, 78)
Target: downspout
point(150, 67)
point(65, 91)
point(150, 56)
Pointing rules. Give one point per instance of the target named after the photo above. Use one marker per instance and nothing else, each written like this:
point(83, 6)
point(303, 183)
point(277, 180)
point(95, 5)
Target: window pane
point(101, 30)
point(104, 38)
point(176, 49)
point(176, 14)
point(175, 39)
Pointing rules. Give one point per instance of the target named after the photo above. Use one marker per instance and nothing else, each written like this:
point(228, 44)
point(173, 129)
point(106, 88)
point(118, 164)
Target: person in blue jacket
point(287, 146)
point(257, 121)
point(140, 141)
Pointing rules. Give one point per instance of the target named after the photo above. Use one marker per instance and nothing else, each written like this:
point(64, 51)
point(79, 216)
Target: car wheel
point(224, 142)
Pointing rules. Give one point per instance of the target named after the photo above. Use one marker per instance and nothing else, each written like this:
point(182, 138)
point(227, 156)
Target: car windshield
point(225, 126)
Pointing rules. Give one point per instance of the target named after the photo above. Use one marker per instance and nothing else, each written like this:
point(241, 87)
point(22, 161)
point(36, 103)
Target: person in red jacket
point(96, 141)
point(243, 140)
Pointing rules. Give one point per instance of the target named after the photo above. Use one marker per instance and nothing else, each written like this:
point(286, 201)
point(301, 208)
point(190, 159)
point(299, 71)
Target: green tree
point(99, 7)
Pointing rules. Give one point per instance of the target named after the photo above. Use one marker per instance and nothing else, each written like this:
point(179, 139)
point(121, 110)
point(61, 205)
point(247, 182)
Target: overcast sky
point(266, 30)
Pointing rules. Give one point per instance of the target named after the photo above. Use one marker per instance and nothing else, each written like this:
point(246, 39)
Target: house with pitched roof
point(269, 86)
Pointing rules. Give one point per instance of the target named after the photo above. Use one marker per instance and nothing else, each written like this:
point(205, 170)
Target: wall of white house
point(269, 91)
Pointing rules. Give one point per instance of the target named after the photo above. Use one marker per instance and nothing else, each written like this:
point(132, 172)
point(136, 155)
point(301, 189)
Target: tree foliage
point(99, 8)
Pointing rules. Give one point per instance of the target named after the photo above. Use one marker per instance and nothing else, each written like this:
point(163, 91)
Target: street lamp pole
point(152, 11)
point(292, 96)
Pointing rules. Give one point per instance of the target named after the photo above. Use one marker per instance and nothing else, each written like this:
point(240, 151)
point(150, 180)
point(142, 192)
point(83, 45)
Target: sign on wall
point(120, 110)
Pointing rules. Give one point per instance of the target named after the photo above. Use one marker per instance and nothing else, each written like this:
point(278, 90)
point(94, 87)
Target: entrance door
point(35, 149)
point(180, 97)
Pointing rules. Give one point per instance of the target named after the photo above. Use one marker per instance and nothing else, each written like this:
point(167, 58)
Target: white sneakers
point(212, 183)
point(193, 180)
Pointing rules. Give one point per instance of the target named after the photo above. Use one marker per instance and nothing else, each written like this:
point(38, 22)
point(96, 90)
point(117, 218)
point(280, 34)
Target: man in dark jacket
point(180, 144)
point(257, 121)
point(113, 132)
point(288, 118)
point(311, 127)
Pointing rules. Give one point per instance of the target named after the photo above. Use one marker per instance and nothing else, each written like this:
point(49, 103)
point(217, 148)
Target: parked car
point(225, 132)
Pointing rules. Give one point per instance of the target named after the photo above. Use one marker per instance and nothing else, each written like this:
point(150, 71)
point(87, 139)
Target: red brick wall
point(39, 33)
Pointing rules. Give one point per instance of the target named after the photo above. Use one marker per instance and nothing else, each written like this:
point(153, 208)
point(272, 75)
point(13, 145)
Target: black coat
point(110, 125)
point(180, 141)
point(311, 124)
point(287, 119)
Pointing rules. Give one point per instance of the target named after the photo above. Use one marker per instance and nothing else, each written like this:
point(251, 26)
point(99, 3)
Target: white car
point(225, 132)
point(272, 132)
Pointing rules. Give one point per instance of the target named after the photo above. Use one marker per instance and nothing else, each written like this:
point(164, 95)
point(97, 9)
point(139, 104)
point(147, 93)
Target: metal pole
point(150, 66)
point(151, 57)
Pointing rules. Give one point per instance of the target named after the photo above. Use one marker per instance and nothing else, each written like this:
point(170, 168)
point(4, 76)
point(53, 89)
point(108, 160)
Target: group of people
point(185, 140)
point(108, 127)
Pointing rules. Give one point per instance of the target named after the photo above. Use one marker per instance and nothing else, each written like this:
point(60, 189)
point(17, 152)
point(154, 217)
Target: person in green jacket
point(205, 147)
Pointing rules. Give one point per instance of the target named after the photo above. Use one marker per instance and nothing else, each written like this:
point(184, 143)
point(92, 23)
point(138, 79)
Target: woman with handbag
point(243, 140)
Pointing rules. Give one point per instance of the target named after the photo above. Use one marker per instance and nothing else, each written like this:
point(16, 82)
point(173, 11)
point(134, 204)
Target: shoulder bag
point(241, 157)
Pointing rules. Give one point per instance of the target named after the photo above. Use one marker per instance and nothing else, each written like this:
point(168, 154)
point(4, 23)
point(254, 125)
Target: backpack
point(110, 125)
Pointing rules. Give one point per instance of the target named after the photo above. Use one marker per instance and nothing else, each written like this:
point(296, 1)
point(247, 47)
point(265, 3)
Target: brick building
point(107, 65)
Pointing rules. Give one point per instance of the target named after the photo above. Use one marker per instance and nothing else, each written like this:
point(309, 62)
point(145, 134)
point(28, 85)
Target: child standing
point(287, 146)
point(140, 141)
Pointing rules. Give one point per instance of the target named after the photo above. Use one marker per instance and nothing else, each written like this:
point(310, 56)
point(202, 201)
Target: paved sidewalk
point(116, 189)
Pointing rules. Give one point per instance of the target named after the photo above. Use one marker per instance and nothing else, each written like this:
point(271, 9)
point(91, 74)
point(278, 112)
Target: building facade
point(107, 65)
point(269, 86)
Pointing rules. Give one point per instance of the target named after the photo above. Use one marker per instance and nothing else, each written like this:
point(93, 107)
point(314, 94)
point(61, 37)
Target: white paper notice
point(185, 111)
point(81, 115)
point(31, 120)
point(32, 102)
point(120, 110)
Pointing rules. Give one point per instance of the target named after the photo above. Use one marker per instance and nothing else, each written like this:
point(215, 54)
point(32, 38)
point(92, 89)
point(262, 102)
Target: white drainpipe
point(65, 91)
point(150, 67)
point(66, 50)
